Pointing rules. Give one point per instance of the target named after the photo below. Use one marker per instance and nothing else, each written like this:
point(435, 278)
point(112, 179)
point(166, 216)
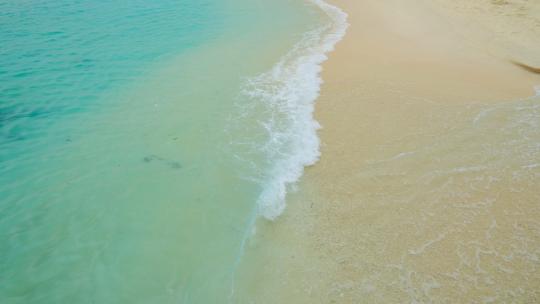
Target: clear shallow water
point(59, 56)
point(122, 173)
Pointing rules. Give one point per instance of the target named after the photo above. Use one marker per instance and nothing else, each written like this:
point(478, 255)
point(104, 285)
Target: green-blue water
point(128, 172)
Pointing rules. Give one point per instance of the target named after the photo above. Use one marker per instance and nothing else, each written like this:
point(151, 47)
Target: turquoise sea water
point(137, 141)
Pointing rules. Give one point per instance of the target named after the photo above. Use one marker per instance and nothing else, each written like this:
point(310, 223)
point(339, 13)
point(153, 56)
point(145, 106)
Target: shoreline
point(290, 89)
point(409, 195)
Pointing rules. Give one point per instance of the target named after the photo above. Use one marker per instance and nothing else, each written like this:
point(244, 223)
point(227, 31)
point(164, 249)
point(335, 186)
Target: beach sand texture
point(427, 187)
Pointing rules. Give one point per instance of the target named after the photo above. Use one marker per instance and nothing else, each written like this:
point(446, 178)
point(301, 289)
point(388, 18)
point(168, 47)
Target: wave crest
point(287, 94)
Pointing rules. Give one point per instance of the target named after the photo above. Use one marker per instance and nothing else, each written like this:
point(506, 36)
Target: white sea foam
point(288, 92)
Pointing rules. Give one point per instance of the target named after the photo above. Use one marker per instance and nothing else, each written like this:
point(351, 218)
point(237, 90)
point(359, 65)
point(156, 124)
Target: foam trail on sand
point(288, 92)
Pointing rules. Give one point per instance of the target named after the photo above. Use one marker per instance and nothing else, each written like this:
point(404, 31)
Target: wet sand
point(427, 187)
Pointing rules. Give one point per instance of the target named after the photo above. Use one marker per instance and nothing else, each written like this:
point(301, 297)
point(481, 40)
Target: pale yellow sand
point(504, 28)
point(428, 188)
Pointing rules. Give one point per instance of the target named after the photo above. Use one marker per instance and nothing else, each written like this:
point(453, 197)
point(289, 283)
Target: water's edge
point(290, 89)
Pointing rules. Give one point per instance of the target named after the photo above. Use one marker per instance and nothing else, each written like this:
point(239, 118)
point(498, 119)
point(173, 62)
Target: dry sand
point(427, 188)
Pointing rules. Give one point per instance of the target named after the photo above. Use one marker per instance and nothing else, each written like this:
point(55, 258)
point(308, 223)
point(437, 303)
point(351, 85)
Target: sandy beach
point(427, 187)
